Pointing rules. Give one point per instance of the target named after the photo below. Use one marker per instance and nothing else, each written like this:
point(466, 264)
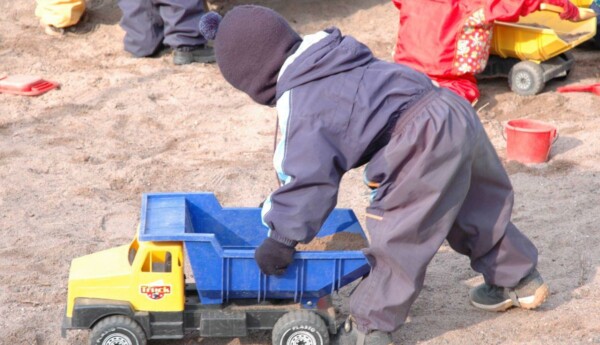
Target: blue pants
point(150, 23)
point(437, 179)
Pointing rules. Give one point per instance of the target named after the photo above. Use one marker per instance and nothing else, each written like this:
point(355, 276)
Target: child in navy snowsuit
point(434, 173)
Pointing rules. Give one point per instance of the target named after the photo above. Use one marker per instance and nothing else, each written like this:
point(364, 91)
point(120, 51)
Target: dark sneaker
point(530, 293)
point(350, 335)
point(190, 54)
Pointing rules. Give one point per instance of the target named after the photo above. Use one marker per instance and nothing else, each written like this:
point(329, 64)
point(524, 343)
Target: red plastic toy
point(26, 85)
point(593, 88)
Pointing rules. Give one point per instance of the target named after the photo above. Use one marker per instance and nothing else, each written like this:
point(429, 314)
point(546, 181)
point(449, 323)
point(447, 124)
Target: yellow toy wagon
point(536, 49)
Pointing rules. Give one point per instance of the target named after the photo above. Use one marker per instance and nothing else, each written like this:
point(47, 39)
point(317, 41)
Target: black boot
point(189, 54)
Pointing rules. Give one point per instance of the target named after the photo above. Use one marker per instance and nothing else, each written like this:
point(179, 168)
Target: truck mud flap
point(166, 325)
point(87, 311)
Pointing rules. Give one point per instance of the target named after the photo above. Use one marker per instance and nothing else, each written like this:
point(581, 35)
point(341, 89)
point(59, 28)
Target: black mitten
point(274, 257)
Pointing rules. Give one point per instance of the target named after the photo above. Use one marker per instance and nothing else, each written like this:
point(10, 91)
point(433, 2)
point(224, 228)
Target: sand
point(338, 241)
point(74, 162)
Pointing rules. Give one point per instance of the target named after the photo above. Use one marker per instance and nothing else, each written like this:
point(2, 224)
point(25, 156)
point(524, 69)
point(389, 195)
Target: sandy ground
point(74, 162)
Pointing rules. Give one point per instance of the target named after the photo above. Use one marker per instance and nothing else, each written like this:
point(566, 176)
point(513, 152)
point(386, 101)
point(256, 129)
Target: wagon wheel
point(117, 330)
point(526, 78)
point(300, 327)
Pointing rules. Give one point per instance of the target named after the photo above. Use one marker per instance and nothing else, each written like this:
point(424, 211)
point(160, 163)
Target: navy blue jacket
point(336, 103)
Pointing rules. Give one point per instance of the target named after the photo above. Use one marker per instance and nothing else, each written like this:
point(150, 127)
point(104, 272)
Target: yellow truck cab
point(140, 279)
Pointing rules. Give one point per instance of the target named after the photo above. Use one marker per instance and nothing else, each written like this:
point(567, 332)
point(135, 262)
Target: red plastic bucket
point(529, 141)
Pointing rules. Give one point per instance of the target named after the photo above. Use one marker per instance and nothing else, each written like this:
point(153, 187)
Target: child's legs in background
point(60, 13)
point(143, 27)
point(181, 19)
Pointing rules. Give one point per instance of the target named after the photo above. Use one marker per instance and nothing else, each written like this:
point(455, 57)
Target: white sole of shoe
point(539, 297)
point(529, 302)
point(502, 306)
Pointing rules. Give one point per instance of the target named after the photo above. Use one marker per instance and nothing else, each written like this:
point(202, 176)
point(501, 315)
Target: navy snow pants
point(439, 178)
point(150, 23)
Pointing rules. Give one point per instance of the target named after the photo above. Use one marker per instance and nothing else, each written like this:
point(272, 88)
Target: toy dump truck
point(536, 49)
point(138, 292)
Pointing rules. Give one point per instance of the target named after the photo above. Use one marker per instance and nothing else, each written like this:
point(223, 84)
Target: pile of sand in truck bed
point(337, 241)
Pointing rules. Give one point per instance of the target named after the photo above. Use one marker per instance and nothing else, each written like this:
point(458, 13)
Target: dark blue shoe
point(350, 335)
point(530, 293)
point(189, 54)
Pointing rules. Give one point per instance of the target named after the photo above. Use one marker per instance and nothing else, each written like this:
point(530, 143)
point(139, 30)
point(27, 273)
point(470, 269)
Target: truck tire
point(300, 327)
point(117, 330)
point(526, 78)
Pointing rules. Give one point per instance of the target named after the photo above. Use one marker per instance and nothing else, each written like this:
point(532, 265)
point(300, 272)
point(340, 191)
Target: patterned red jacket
point(449, 40)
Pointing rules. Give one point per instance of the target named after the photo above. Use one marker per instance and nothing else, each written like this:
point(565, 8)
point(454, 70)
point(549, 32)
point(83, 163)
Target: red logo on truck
point(155, 291)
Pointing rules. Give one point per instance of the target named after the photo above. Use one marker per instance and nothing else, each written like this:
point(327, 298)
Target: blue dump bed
point(220, 244)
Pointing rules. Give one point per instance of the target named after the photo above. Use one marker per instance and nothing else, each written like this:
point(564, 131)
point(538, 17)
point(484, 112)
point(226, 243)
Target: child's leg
point(143, 27)
point(464, 85)
point(60, 13)
point(483, 230)
point(181, 22)
point(497, 249)
point(424, 174)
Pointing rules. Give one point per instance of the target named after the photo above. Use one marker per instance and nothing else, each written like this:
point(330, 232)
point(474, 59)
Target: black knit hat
point(251, 44)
